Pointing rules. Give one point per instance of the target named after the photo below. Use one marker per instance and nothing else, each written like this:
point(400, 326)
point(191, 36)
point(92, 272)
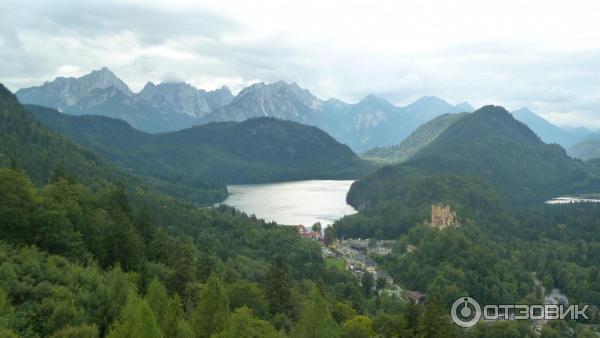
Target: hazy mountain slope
point(157, 108)
point(111, 102)
point(62, 93)
point(372, 121)
point(279, 100)
point(183, 98)
point(429, 107)
point(491, 145)
point(416, 141)
point(588, 148)
point(548, 132)
point(256, 150)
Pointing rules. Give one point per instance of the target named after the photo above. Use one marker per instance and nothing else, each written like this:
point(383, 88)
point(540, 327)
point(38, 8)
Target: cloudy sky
point(541, 54)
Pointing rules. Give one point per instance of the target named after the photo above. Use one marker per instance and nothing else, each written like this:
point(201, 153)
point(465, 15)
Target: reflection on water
point(567, 200)
point(293, 203)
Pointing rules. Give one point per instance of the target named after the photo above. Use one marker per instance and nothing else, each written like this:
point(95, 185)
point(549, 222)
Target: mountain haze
point(588, 148)
point(416, 141)
point(548, 132)
point(157, 108)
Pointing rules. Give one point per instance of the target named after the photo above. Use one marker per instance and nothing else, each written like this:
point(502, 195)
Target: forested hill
point(26, 144)
point(491, 145)
point(30, 146)
point(504, 152)
point(253, 151)
point(478, 165)
point(416, 141)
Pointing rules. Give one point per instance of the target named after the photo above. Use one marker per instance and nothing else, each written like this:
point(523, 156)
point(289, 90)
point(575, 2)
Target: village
point(357, 254)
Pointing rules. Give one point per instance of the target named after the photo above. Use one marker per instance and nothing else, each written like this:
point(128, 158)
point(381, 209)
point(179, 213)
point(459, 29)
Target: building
point(385, 276)
point(442, 216)
point(359, 246)
point(415, 296)
point(304, 232)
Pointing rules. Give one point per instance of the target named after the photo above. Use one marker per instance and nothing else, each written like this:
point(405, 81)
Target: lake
point(569, 200)
point(293, 203)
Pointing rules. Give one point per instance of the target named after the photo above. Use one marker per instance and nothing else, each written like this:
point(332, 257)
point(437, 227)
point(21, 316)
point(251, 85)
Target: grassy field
point(335, 262)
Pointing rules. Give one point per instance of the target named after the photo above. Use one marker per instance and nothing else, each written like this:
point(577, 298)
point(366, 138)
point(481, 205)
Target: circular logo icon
point(465, 312)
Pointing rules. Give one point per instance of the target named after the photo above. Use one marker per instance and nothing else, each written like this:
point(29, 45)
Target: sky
point(544, 55)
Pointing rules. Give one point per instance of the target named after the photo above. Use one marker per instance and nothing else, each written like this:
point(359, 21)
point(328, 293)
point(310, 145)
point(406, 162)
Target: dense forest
point(83, 255)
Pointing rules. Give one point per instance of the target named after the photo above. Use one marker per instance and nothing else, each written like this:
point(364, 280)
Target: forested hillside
point(253, 151)
point(492, 146)
point(480, 165)
point(416, 141)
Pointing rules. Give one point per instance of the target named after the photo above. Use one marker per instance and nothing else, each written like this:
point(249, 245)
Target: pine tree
point(18, 207)
point(315, 319)
point(413, 315)
point(367, 282)
point(158, 300)
point(435, 322)
point(279, 293)
point(137, 321)
point(173, 317)
point(119, 200)
point(212, 311)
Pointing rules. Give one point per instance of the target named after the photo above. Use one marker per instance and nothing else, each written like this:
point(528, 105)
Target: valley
point(451, 206)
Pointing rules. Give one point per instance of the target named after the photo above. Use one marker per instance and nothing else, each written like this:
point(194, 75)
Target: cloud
point(542, 55)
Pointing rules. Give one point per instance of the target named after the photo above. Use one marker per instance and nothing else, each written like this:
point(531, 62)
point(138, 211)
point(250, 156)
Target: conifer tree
point(435, 322)
point(212, 311)
point(158, 300)
point(279, 293)
point(315, 319)
point(137, 321)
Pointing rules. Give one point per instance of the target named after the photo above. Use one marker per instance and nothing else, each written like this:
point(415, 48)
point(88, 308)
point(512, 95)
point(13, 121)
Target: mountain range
point(173, 106)
point(157, 108)
point(371, 122)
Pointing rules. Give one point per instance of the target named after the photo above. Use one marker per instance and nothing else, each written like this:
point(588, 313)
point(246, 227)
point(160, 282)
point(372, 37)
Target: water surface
point(293, 203)
point(569, 200)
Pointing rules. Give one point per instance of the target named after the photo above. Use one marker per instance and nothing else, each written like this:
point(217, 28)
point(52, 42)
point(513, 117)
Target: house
point(384, 275)
point(358, 246)
point(415, 296)
point(304, 232)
